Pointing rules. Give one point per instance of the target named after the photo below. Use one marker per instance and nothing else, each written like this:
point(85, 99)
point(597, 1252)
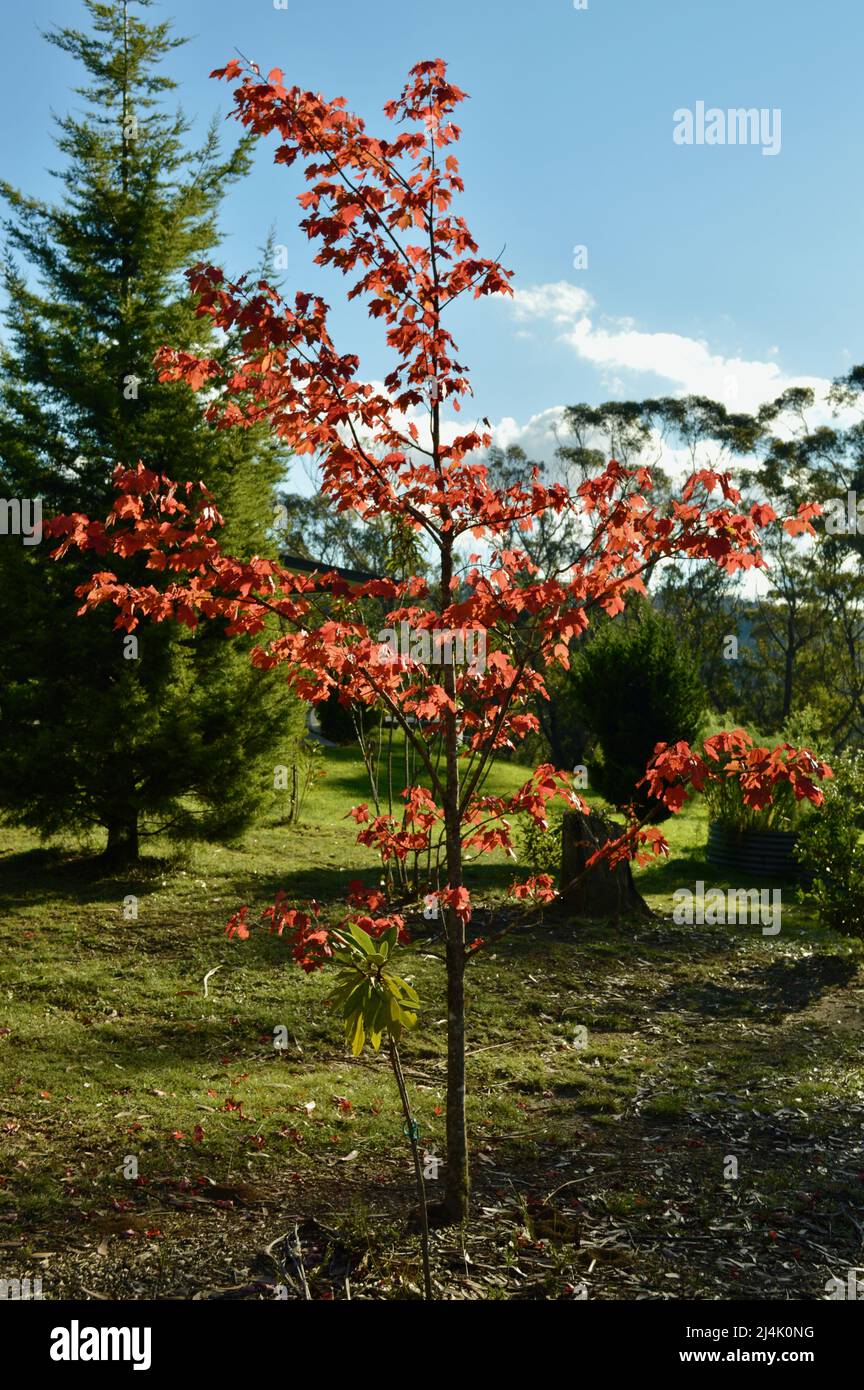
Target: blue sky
point(706, 265)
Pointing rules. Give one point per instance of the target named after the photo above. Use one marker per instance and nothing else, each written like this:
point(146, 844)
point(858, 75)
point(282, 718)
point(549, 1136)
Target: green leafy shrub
point(637, 687)
point(830, 848)
point(540, 850)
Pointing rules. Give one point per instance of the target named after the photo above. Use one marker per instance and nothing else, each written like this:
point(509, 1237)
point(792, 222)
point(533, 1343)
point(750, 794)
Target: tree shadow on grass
point(37, 876)
point(779, 988)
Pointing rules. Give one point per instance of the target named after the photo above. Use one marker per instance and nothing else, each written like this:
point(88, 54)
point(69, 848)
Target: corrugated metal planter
point(762, 853)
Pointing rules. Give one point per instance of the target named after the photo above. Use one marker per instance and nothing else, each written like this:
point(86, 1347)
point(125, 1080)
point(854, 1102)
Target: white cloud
point(561, 301)
point(537, 437)
point(616, 345)
point(622, 353)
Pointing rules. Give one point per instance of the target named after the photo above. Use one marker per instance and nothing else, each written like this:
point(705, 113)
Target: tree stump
point(601, 891)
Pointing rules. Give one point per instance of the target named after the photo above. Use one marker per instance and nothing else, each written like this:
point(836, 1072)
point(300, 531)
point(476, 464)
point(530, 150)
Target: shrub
point(637, 687)
point(831, 849)
point(540, 850)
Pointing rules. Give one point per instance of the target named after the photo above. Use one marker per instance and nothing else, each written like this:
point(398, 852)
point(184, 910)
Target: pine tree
point(93, 732)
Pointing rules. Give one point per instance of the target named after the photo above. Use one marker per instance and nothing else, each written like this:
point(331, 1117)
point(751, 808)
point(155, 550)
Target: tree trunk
point(457, 1185)
point(457, 1174)
point(122, 847)
point(789, 664)
point(601, 891)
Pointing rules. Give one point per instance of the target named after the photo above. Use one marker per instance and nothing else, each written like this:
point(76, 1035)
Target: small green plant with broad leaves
point(830, 848)
point(374, 1001)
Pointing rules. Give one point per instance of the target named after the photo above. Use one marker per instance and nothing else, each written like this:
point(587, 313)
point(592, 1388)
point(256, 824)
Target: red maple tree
point(380, 211)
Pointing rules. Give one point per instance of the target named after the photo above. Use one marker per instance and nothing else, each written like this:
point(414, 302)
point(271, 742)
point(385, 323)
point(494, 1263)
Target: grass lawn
point(608, 1164)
